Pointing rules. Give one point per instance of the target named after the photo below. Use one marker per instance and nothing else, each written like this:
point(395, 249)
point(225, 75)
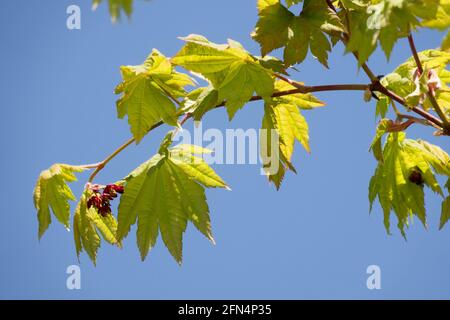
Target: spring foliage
point(167, 192)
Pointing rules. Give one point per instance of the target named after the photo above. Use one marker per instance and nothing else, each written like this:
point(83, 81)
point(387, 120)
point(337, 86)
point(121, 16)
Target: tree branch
point(377, 86)
point(299, 88)
point(334, 87)
point(412, 45)
point(102, 164)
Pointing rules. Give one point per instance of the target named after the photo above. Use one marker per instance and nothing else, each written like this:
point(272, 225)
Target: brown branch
point(102, 164)
point(412, 45)
point(299, 88)
point(333, 87)
point(377, 86)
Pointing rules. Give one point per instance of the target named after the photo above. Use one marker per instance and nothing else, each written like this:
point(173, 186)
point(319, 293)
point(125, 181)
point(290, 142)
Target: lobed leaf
point(283, 115)
point(232, 71)
point(88, 225)
point(163, 195)
point(385, 22)
point(398, 182)
point(52, 192)
point(278, 27)
point(149, 92)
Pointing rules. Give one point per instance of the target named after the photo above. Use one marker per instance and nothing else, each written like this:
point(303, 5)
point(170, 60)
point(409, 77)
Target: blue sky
point(312, 239)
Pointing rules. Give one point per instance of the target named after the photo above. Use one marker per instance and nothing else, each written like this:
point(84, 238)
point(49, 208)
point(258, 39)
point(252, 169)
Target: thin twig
point(333, 87)
point(412, 45)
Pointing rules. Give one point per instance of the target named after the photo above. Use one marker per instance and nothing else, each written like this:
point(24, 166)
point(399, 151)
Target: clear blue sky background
point(313, 239)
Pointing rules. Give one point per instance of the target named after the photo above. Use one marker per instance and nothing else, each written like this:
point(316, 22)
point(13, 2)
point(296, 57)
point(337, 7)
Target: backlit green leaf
point(148, 94)
point(278, 27)
point(52, 192)
point(399, 180)
point(164, 194)
point(283, 115)
point(232, 71)
point(88, 225)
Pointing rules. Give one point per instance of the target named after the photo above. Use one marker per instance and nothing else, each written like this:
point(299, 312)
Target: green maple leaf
point(385, 21)
point(165, 193)
point(376, 146)
point(116, 7)
point(88, 225)
point(441, 20)
point(232, 71)
point(272, 28)
point(362, 39)
point(52, 192)
point(283, 115)
point(205, 101)
point(445, 215)
point(445, 45)
point(392, 183)
point(278, 27)
point(148, 94)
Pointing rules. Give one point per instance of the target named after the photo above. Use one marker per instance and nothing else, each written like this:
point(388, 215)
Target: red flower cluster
point(101, 201)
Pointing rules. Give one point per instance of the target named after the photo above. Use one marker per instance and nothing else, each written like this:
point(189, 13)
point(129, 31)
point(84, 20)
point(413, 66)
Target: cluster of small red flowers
point(101, 201)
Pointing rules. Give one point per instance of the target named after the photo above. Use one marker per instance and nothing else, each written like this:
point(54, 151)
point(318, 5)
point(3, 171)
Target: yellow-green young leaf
point(278, 27)
point(362, 39)
point(445, 215)
point(148, 94)
point(442, 19)
point(274, 161)
point(291, 126)
point(403, 81)
point(304, 101)
point(445, 45)
point(136, 181)
point(164, 194)
point(206, 101)
point(232, 71)
point(86, 236)
point(106, 225)
point(283, 116)
point(52, 192)
point(431, 59)
point(376, 146)
point(88, 225)
point(195, 167)
point(399, 180)
point(116, 7)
